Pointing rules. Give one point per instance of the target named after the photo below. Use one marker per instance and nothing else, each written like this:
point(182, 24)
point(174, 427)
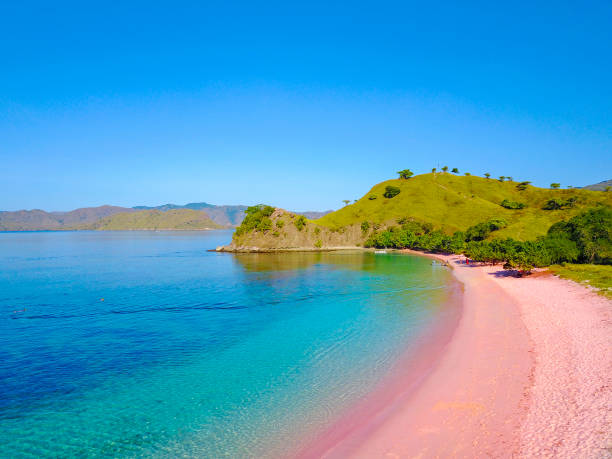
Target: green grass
point(455, 203)
point(178, 219)
point(598, 276)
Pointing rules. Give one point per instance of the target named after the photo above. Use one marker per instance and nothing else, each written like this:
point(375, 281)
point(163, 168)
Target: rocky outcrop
point(292, 232)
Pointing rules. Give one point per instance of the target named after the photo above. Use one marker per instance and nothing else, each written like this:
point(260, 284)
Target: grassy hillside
point(178, 219)
point(455, 203)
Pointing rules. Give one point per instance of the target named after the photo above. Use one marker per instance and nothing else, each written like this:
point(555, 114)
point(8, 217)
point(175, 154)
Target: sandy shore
point(528, 373)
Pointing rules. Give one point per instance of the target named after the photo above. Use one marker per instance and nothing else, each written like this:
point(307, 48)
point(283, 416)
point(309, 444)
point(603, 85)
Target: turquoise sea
point(144, 344)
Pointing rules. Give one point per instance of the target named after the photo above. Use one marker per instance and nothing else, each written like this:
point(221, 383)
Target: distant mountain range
point(601, 186)
point(222, 215)
point(172, 219)
point(91, 217)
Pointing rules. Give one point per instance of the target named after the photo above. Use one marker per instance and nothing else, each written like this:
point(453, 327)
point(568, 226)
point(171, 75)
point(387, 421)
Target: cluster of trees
point(257, 218)
point(481, 231)
point(411, 234)
point(585, 238)
point(445, 169)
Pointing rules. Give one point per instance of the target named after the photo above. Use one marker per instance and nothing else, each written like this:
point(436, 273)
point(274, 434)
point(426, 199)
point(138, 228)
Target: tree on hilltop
point(433, 171)
point(455, 170)
point(445, 169)
point(502, 178)
point(405, 174)
point(522, 186)
point(487, 175)
point(346, 201)
point(555, 186)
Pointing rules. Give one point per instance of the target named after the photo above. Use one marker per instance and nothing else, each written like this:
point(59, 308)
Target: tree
point(608, 188)
point(510, 179)
point(445, 169)
point(555, 186)
point(405, 174)
point(502, 178)
point(487, 175)
point(467, 174)
point(346, 202)
point(522, 186)
point(455, 170)
point(433, 171)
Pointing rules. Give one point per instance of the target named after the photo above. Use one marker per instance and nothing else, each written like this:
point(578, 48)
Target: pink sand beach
point(526, 373)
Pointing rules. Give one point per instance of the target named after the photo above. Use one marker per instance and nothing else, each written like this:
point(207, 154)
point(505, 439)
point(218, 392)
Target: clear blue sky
point(299, 105)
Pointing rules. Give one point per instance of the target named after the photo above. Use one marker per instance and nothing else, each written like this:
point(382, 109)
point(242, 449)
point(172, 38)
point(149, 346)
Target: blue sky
point(298, 105)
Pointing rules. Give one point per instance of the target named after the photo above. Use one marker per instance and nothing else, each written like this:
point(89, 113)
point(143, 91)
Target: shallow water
point(128, 344)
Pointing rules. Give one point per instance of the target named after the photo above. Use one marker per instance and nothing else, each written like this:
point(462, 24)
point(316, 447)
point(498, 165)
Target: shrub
point(512, 204)
point(317, 230)
point(391, 192)
point(365, 226)
point(280, 223)
point(276, 234)
point(372, 197)
point(300, 222)
point(318, 244)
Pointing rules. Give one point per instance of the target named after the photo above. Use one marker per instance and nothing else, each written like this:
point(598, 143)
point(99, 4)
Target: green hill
point(454, 203)
point(178, 219)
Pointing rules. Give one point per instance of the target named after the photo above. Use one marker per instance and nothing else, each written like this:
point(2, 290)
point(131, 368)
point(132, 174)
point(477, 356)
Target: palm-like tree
point(487, 175)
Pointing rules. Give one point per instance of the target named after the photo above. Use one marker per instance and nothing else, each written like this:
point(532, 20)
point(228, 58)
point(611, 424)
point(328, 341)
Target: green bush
point(300, 222)
point(280, 223)
point(391, 191)
point(318, 244)
point(512, 204)
point(317, 230)
point(365, 226)
point(372, 197)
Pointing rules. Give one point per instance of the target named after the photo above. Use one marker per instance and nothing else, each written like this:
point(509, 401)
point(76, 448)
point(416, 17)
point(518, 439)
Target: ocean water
point(144, 344)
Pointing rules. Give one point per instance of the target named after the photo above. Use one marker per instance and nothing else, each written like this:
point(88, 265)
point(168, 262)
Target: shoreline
point(528, 372)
